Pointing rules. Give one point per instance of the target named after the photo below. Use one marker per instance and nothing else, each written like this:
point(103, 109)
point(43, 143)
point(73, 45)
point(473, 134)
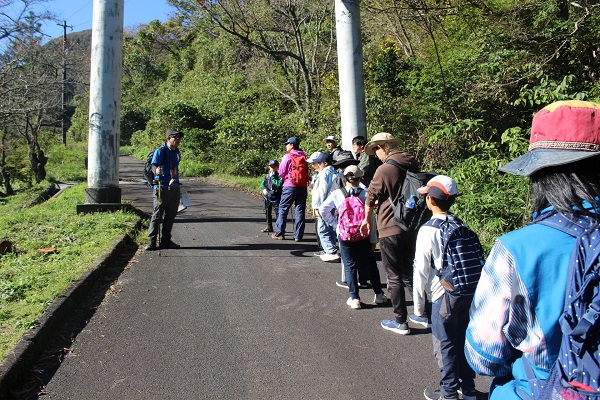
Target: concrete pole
point(105, 103)
point(350, 70)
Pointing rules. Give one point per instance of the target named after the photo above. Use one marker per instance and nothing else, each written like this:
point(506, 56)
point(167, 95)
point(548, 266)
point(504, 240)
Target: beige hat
point(353, 170)
point(380, 138)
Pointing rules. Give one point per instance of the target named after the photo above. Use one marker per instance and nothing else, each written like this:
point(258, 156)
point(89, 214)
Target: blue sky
point(78, 14)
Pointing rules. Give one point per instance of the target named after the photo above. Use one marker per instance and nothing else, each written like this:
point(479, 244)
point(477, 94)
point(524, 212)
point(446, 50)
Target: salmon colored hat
point(441, 187)
point(561, 133)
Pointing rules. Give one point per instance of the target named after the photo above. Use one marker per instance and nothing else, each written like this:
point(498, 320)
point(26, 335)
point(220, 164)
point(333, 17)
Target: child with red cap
point(447, 266)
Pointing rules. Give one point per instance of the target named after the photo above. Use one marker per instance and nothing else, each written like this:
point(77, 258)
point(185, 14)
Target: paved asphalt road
point(234, 314)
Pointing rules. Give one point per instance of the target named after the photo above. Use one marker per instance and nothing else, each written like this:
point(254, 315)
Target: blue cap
point(273, 162)
point(293, 140)
point(318, 157)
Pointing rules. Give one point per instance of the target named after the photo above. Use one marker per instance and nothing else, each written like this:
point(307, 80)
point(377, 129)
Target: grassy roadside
point(30, 280)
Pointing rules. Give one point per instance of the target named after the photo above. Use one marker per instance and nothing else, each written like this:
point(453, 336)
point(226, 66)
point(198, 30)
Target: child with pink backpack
point(349, 202)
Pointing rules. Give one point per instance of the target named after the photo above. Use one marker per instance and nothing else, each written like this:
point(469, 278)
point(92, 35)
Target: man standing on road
point(292, 193)
point(397, 246)
point(165, 165)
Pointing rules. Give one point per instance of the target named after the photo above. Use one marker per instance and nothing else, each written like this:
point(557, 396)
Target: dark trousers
point(297, 196)
point(356, 255)
point(164, 211)
point(397, 255)
point(269, 208)
point(448, 327)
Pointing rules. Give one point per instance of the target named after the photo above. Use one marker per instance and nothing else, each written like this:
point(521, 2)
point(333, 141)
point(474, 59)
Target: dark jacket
point(386, 183)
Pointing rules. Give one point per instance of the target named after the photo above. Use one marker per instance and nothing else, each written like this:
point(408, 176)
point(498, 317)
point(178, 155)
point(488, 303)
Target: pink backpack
point(350, 216)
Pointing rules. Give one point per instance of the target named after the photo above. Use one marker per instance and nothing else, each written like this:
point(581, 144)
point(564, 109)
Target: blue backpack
point(462, 257)
point(576, 373)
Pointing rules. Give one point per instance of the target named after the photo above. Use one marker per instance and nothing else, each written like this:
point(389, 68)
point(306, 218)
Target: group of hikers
point(526, 314)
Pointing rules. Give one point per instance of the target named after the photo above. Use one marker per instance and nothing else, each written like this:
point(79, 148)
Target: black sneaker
point(268, 229)
point(436, 394)
point(151, 246)
point(169, 245)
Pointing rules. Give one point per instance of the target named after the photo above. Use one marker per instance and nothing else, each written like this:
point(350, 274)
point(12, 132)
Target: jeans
point(297, 196)
point(397, 255)
point(448, 328)
point(355, 254)
point(167, 206)
point(326, 234)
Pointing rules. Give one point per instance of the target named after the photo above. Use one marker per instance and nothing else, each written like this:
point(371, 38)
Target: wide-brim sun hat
point(344, 158)
point(378, 139)
point(561, 133)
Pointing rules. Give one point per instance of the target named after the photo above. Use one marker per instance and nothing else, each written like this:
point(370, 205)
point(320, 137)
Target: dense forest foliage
point(457, 80)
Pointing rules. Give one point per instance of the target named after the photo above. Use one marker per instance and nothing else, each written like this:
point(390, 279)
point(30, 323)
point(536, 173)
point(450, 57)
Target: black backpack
point(148, 174)
point(411, 211)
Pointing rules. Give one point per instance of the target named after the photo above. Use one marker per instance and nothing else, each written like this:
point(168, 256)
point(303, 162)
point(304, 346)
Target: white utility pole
point(350, 70)
point(103, 190)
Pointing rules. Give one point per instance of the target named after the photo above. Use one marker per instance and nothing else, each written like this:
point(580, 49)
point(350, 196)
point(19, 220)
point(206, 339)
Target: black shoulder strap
point(396, 164)
point(345, 192)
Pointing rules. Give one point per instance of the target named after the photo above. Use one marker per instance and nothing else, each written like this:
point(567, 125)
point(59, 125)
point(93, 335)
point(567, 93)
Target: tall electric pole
point(350, 71)
point(103, 191)
point(64, 83)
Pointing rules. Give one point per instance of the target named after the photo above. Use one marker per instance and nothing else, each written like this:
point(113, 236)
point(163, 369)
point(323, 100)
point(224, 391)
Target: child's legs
point(269, 212)
point(465, 372)
point(350, 267)
point(327, 236)
point(444, 331)
point(367, 265)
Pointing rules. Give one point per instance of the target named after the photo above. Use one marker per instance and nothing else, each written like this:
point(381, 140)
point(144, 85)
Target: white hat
point(353, 170)
point(330, 138)
point(440, 187)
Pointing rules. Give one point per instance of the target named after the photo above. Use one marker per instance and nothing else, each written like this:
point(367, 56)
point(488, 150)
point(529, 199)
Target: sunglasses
point(175, 137)
point(375, 148)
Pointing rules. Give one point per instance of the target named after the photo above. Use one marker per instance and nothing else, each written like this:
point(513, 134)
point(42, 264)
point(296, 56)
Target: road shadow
point(31, 385)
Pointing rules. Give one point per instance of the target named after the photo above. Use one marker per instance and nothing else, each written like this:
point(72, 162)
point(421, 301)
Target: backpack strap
point(396, 164)
point(345, 192)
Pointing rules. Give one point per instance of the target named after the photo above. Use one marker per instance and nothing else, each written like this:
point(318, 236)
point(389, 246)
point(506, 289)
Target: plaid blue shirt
point(531, 263)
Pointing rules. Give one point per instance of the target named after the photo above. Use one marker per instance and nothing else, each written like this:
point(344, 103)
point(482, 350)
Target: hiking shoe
point(268, 229)
point(436, 394)
point(169, 245)
point(330, 257)
point(280, 237)
point(468, 394)
point(319, 253)
point(151, 246)
point(398, 327)
point(341, 284)
point(353, 303)
point(380, 298)
point(423, 321)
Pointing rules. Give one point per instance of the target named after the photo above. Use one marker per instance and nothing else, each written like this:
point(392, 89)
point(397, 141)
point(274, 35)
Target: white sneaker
point(353, 303)
point(330, 257)
point(380, 298)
